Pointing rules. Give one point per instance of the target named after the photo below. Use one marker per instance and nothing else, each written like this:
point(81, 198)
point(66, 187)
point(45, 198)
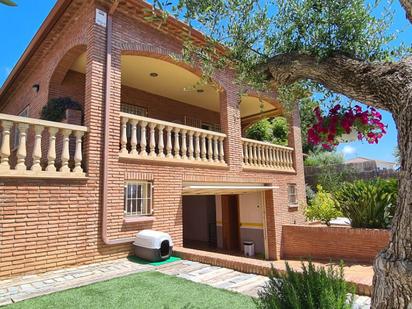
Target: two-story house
point(150, 148)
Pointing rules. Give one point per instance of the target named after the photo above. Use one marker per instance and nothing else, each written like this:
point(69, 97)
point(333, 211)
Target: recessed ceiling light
point(200, 90)
point(154, 74)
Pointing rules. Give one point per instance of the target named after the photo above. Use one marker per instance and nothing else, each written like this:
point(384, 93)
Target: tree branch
point(407, 5)
point(376, 84)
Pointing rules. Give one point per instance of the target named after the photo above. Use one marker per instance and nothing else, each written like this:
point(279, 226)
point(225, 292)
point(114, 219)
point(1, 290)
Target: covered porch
point(222, 217)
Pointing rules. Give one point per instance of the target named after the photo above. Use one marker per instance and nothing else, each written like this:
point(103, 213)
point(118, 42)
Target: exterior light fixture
point(154, 74)
point(36, 88)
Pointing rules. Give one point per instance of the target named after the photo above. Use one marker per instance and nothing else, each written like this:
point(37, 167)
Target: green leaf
point(8, 2)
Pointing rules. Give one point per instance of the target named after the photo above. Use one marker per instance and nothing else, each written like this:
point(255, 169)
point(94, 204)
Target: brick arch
point(63, 66)
point(167, 55)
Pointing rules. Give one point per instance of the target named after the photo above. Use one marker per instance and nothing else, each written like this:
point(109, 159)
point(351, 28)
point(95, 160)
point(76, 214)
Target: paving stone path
point(25, 287)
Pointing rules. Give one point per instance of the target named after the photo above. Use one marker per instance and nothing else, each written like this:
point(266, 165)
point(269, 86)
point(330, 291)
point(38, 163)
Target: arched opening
point(159, 89)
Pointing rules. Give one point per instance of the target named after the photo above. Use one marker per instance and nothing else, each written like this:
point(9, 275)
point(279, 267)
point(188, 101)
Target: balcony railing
point(41, 149)
point(266, 156)
point(144, 138)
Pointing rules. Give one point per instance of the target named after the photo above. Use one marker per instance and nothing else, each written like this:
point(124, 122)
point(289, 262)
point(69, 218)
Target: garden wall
point(336, 243)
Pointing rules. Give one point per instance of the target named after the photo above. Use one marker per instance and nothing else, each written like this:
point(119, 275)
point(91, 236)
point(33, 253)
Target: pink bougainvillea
point(329, 128)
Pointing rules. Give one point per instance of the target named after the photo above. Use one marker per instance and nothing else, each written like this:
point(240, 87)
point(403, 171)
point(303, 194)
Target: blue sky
point(19, 24)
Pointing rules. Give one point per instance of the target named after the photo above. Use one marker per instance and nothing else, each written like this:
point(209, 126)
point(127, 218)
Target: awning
point(222, 189)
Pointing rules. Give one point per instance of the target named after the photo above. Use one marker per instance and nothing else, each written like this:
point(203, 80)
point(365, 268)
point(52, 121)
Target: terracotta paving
point(360, 275)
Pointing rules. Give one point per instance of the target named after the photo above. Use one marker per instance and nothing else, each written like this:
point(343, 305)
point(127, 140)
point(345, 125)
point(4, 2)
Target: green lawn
point(143, 290)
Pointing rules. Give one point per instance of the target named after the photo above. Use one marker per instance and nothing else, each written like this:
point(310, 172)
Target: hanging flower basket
point(348, 137)
point(346, 125)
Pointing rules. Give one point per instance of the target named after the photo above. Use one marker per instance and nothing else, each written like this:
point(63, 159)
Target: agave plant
point(8, 2)
point(368, 204)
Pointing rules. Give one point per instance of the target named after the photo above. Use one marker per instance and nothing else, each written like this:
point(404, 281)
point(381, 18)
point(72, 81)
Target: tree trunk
point(392, 283)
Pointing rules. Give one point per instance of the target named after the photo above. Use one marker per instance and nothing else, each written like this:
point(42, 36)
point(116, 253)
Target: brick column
point(270, 225)
point(231, 126)
point(94, 118)
point(295, 141)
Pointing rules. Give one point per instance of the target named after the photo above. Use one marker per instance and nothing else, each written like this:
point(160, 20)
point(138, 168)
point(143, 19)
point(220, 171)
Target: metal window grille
point(292, 194)
point(138, 199)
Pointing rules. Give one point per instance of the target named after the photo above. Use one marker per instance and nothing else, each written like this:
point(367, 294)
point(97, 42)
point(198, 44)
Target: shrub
point(55, 109)
point(323, 158)
point(322, 207)
point(270, 130)
point(314, 288)
point(260, 131)
point(368, 204)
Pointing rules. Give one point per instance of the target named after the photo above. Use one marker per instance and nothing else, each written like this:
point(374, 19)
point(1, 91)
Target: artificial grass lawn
point(143, 290)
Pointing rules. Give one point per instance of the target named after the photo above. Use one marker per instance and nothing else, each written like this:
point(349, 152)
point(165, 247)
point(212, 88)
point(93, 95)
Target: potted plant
point(346, 124)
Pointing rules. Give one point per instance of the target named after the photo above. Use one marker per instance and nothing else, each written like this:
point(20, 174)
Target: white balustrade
point(184, 144)
point(40, 148)
point(266, 156)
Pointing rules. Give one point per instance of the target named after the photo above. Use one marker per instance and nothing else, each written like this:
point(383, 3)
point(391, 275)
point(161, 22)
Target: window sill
point(293, 206)
point(139, 219)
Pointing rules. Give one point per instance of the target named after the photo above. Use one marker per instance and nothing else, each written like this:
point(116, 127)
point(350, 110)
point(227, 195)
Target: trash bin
point(249, 248)
point(153, 246)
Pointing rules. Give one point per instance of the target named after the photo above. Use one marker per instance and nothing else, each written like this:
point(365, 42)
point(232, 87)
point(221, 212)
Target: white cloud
point(348, 150)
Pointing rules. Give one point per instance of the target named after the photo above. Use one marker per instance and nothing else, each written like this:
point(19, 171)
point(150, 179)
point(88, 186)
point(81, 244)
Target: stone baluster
point(176, 147)
point(290, 159)
point(271, 157)
point(143, 142)
point(65, 157)
point(264, 162)
point(123, 137)
point(21, 151)
point(184, 145)
point(36, 167)
point(245, 153)
point(5, 145)
point(250, 153)
point(78, 156)
point(282, 158)
point(259, 154)
point(160, 144)
point(152, 141)
point(51, 156)
point(221, 150)
point(133, 139)
point(210, 148)
point(191, 148)
point(169, 142)
point(276, 157)
point(203, 150)
point(255, 161)
point(197, 146)
point(216, 148)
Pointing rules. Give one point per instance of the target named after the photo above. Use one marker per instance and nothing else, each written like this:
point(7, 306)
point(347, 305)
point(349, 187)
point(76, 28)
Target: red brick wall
point(336, 243)
point(55, 223)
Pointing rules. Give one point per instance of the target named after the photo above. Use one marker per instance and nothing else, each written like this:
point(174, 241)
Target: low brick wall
point(335, 243)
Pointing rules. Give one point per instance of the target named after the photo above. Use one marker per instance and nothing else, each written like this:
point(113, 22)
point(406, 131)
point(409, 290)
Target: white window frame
point(138, 199)
point(16, 135)
point(292, 194)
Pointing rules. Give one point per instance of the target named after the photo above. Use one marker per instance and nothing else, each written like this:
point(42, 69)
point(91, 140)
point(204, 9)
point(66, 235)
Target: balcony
point(148, 139)
point(37, 148)
point(266, 156)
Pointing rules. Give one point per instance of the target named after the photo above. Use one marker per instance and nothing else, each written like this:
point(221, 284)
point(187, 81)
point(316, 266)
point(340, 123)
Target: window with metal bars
point(138, 198)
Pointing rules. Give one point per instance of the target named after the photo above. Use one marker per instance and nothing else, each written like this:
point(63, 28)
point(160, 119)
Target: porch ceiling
point(223, 189)
point(175, 82)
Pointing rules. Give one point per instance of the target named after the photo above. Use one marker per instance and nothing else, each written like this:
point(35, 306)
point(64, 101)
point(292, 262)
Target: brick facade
point(56, 223)
point(332, 243)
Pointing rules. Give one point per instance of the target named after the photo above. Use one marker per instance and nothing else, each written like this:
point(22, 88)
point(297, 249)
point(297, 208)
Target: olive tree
point(329, 46)
point(8, 2)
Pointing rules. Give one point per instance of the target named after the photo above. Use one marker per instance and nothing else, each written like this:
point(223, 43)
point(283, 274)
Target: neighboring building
point(360, 162)
point(145, 153)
